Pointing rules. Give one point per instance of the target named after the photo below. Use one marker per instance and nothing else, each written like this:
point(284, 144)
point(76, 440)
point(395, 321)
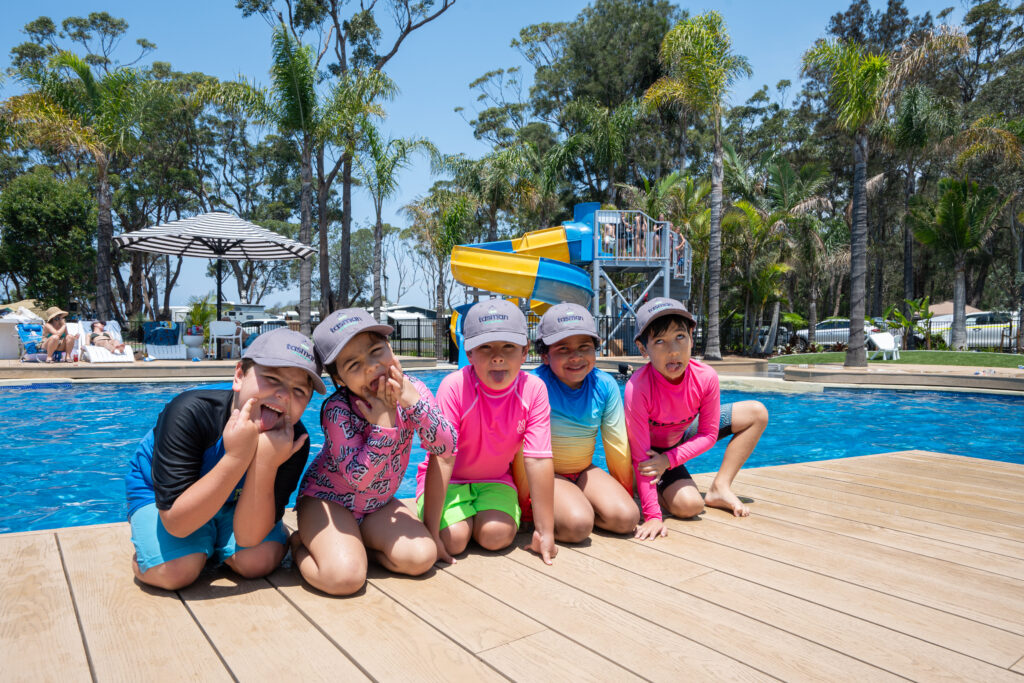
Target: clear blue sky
point(433, 67)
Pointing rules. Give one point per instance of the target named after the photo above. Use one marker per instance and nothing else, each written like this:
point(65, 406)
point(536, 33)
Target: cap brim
point(511, 337)
point(565, 334)
point(318, 382)
point(385, 330)
point(661, 314)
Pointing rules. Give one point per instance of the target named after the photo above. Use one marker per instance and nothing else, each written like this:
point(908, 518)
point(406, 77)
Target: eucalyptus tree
point(863, 85)
point(71, 108)
point(957, 225)
point(378, 165)
point(700, 67)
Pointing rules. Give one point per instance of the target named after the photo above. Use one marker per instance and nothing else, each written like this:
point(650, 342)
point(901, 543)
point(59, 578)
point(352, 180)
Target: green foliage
point(959, 221)
point(46, 233)
point(201, 311)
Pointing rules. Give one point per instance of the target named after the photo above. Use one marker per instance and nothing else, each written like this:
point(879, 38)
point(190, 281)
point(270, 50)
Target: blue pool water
point(66, 447)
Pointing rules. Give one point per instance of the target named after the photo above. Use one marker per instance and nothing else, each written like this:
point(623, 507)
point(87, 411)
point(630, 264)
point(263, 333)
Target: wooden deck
point(906, 565)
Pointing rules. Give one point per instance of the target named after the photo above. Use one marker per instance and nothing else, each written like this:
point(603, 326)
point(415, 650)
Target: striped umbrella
point(215, 235)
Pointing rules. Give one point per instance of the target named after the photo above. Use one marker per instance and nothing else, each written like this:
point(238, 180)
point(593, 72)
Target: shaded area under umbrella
point(215, 235)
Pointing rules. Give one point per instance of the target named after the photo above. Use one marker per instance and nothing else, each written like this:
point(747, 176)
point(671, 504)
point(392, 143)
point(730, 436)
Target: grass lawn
point(982, 359)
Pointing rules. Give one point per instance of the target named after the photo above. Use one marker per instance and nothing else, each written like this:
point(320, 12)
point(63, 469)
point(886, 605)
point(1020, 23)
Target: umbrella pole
point(219, 265)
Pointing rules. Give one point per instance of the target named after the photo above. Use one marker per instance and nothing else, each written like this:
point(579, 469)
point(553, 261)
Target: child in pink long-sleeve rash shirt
point(347, 507)
point(497, 409)
point(673, 414)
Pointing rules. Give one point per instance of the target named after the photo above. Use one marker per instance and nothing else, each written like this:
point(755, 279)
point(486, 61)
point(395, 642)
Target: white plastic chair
point(224, 330)
point(886, 345)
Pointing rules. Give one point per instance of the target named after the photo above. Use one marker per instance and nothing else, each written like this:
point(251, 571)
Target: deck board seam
point(206, 635)
point(895, 496)
point(835, 515)
point(873, 589)
point(891, 548)
point(74, 606)
point(460, 645)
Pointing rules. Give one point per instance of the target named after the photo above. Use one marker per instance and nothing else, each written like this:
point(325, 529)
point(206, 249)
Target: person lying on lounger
point(104, 339)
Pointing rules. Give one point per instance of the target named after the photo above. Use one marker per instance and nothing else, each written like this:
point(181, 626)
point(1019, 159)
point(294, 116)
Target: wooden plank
point(1019, 666)
point(131, 631)
point(550, 656)
point(703, 540)
point(873, 498)
point(757, 644)
point(909, 476)
point(978, 595)
point(464, 613)
point(39, 637)
point(389, 641)
point(641, 645)
point(789, 509)
point(969, 461)
point(260, 635)
point(901, 654)
point(971, 469)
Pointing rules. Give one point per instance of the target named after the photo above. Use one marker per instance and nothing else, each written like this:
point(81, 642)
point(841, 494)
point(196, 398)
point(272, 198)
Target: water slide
point(541, 266)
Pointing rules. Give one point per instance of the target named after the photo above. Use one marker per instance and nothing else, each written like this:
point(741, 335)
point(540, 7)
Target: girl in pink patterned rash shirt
point(673, 414)
point(347, 509)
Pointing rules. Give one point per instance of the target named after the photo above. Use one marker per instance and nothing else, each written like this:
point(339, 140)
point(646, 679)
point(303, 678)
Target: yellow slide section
point(495, 271)
point(549, 243)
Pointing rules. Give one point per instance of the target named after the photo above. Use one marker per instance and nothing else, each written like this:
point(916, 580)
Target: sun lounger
point(884, 343)
point(97, 354)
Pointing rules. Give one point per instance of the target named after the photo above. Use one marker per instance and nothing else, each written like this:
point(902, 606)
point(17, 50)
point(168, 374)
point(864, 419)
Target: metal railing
point(632, 236)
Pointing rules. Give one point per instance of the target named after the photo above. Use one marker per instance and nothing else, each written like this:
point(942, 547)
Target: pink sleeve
point(639, 443)
point(537, 438)
point(437, 435)
point(363, 450)
point(707, 426)
point(449, 405)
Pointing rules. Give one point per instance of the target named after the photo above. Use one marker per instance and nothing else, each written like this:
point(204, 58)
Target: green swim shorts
point(466, 500)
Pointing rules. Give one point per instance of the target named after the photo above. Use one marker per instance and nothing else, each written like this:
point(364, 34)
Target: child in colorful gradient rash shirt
point(497, 409)
point(347, 502)
point(583, 400)
point(663, 401)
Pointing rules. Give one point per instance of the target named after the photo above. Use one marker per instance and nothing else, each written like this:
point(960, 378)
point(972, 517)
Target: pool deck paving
point(900, 565)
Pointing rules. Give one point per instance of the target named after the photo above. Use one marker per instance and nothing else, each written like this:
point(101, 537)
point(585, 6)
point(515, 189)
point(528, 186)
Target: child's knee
point(574, 526)
point(416, 556)
point(456, 537)
point(342, 575)
point(622, 519)
point(258, 561)
point(760, 414)
point(495, 535)
point(173, 575)
point(686, 503)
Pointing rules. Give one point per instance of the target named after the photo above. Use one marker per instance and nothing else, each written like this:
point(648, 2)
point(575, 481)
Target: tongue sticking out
point(268, 419)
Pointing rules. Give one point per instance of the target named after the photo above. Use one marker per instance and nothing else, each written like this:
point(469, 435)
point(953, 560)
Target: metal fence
point(986, 332)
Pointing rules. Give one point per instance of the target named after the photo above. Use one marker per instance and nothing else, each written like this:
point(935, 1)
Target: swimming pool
point(67, 446)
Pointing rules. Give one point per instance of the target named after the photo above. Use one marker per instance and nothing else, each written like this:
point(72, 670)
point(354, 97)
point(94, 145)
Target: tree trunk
point(812, 314)
point(344, 274)
point(322, 219)
point(440, 333)
point(1018, 242)
point(958, 333)
point(908, 255)
point(855, 354)
point(305, 234)
point(378, 247)
point(713, 350)
point(492, 223)
point(104, 237)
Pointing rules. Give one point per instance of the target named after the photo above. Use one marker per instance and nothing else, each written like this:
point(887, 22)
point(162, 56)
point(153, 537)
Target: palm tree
point(72, 109)
point(863, 85)
point(378, 166)
point(957, 225)
point(690, 214)
point(499, 180)
point(700, 68)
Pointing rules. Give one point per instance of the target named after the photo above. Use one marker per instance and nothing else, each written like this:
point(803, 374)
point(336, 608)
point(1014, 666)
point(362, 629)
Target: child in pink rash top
point(497, 409)
point(673, 414)
point(347, 507)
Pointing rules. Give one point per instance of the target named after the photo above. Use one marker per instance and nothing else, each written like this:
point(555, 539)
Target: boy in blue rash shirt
point(212, 478)
point(583, 401)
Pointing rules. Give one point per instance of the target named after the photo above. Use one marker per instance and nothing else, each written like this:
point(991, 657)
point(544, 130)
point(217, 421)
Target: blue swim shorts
point(155, 545)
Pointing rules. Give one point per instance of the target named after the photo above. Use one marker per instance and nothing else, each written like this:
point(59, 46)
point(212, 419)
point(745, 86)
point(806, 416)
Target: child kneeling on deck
point(347, 507)
point(583, 400)
point(497, 409)
point(214, 475)
point(673, 414)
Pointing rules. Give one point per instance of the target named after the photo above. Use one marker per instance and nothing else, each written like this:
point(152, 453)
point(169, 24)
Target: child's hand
point(277, 445)
point(442, 552)
point(380, 409)
point(409, 393)
point(654, 466)
point(543, 546)
point(651, 529)
point(242, 431)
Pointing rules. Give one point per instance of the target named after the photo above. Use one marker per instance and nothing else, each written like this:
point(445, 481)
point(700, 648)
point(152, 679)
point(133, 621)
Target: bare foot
point(49, 360)
point(294, 542)
point(725, 499)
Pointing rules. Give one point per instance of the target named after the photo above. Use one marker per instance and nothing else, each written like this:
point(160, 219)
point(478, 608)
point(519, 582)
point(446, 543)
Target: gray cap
point(494, 320)
point(565, 320)
point(285, 348)
point(657, 308)
point(340, 327)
